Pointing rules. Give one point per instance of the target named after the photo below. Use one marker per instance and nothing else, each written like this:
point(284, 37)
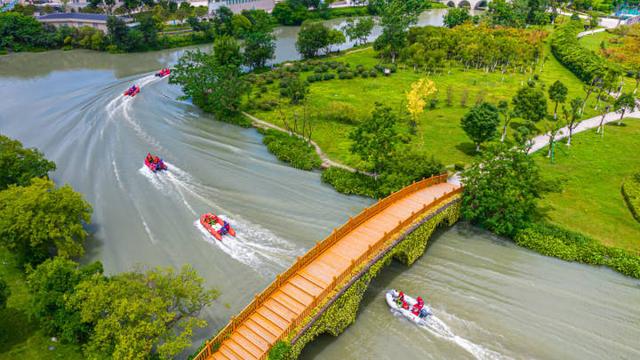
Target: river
point(491, 299)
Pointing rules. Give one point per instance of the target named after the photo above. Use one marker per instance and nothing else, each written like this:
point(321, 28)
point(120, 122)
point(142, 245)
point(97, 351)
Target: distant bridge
point(471, 4)
point(335, 271)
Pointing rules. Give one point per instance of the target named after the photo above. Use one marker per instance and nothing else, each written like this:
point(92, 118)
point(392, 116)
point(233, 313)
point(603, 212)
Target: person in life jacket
point(417, 306)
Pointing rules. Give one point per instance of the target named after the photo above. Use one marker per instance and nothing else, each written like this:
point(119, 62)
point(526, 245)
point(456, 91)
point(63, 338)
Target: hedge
point(291, 149)
point(551, 240)
point(350, 183)
point(584, 63)
point(631, 194)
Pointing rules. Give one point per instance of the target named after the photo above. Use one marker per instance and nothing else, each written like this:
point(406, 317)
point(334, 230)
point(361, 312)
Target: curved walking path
point(326, 162)
point(541, 141)
point(281, 309)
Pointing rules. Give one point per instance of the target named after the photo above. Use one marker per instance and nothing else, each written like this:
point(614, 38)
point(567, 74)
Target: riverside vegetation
point(143, 313)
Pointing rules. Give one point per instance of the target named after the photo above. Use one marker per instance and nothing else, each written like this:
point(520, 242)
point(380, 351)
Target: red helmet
point(401, 293)
point(420, 299)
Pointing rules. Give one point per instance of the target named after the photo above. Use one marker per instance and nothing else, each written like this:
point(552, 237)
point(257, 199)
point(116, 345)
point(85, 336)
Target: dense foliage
point(142, 312)
point(519, 13)
point(315, 36)
point(480, 47)
point(481, 123)
point(456, 16)
point(280, 351)
point(50, 284)
point(586, 64)
point(38, 221)
point(20, 165)
point(631, 193)
point(554, 241)
point(20, 32)
point(291, 149)
point(396, 16)
point(530, 103)
point(501, 189)
point(4, 294)
point(375, 139)
point(214, 87)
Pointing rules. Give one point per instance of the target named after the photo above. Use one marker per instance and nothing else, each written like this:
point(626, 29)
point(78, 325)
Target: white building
point(238, 5)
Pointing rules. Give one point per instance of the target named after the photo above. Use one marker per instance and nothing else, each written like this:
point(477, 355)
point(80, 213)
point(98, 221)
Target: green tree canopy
point(395, 18)
point(456, 16)
point(141, 313)
point(226, 51)
point(214, 87)
point(558, 94)
point(501, 189)
point(38, 221)
point(375, 139)
point(359, 29)
point(20, 165)
point(259, 47)
point(530, 103)
point(481, 123)
point(313, 37)
point(50, 284)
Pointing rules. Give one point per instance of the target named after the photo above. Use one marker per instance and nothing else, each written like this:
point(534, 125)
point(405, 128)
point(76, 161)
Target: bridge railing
point(318, 249)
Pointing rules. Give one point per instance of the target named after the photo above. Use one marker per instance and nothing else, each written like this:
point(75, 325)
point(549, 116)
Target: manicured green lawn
point(20, 337)
point(439, 133)
point(592, 42)
point(592, 171)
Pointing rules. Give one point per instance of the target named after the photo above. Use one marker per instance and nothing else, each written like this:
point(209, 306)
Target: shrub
point(554, 241)
point(291, 149)
point(280, 351)
point(364, 75)
point(631, 194)
point(341, 112)
point(350, 183)
point(373, 73)
point(329, 76)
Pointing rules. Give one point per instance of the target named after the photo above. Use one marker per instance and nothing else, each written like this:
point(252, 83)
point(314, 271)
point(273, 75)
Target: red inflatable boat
point(164, 72)
point(132, 91)
point(154, 163)
point(216, 226)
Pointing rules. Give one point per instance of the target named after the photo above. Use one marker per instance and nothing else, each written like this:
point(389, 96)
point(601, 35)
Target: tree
point(417, 98)
point(149, 28)
point(38, 221)
point(557, 93)
point(501, 189)
point(624, 102)
point(20, 165)
point(552, 129)
point(4, 294)
point(572, 116)
point(456, 16)
point(530, 103)
point(294, 88)
point(223, 18)
point(287, 14)
point(395, 18)
point(375, 139)
point(226, 51)
point(259, 47)
point(312, 37)
point(505, 111)
point(50, 284)
point(334, 37)
point(481, 123)
point(141, 313)
point(118, 32)
point(241, 25)
point(214, 87)
point(359, 29)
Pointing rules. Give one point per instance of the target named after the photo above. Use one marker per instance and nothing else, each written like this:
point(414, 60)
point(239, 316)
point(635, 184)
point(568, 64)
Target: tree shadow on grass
point(467, 148)
point(15, 328)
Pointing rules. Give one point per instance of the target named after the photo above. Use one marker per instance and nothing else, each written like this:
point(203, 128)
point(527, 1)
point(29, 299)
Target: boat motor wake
point(439, 328)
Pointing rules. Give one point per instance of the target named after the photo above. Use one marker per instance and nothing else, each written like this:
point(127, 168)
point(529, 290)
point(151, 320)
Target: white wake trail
point(438, 328)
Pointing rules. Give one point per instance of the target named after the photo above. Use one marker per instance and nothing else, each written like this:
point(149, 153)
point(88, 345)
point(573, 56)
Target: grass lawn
point(592, 42)
point(439, 133)
point(592, 171)
point(20, 337)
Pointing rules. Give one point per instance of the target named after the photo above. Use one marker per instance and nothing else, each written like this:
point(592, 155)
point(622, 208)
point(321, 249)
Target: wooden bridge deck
point(290, 299)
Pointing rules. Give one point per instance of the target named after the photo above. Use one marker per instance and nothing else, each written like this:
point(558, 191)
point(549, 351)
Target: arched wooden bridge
point(284, 308)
